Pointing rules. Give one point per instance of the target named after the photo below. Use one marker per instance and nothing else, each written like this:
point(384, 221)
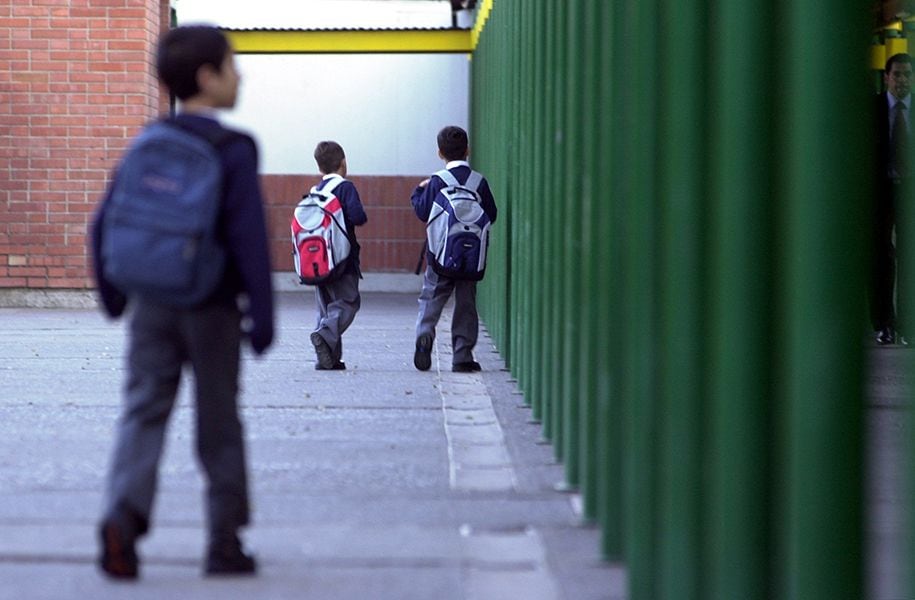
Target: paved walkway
point(379, 482)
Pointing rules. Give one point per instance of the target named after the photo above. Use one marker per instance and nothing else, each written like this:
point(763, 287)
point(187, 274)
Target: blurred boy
point(197, 65)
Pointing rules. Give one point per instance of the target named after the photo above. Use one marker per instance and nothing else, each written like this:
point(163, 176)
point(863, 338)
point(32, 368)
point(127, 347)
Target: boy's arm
point(422, 197)
point(487, 201)
point(246, 238)
point(352, 204)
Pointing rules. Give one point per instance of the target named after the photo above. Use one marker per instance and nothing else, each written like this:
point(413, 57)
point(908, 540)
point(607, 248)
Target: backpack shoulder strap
point(215, 136)
point(448, 177)
point(332, 184)
point(328, 189)
point(473, 181)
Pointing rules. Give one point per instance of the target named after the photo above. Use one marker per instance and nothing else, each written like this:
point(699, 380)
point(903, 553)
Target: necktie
point(900, 140)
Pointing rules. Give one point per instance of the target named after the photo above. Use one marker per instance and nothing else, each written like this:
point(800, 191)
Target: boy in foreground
point(197, 65)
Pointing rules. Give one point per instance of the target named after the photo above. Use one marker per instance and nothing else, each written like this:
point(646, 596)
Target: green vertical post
point(612, 148)
point(572, 250)
point(739, 367)
point(502, 159)
point(547, 332)
point(639, 297)
point(560, 144)
point(500, 173)
point(683, 190)
point(530, 322)
point(519, 173)
point(537, 343)
point(824, 265)
point(525, 302)
point(593, 197)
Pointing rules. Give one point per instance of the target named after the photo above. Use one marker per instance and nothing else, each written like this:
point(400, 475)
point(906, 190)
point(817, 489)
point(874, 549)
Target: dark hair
point(183, 50)
point(452, 143)
point(901, 58)
point(329, 156)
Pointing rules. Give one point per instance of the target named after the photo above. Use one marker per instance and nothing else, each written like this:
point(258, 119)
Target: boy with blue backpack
point(327, 253)
point(458, 208)
point(180, 235)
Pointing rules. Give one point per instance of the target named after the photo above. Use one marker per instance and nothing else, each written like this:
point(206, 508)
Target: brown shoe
point(119, 556)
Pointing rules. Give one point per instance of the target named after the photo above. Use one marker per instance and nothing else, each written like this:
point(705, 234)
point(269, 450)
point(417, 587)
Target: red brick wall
point(76, 82)
point(390, 241)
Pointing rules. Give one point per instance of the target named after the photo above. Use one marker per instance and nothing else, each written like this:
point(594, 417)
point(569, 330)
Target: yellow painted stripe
point(878, 56)
point(272, 42)
point(482, 17)
point(895, 46)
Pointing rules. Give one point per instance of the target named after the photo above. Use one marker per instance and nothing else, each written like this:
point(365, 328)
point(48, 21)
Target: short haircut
point(329, 156)
point(452, 143)
point(183, 50)
point(901, 58)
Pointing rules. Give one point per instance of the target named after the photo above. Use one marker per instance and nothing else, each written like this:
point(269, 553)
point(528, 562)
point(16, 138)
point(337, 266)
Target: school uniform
point(437, 289)
point(208, 337)
point(338, 301)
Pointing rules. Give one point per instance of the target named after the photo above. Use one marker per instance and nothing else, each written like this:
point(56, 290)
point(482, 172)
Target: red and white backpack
point(320, 243)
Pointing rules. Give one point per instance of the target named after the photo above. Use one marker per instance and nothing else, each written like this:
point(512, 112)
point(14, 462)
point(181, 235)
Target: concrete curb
point(282, 282)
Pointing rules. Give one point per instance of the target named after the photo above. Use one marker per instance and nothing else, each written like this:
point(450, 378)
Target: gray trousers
point(465, 323)
point(162, 340)
point(338, 302)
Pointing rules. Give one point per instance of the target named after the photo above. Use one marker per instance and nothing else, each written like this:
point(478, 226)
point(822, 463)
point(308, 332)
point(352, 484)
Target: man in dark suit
point(893, 118)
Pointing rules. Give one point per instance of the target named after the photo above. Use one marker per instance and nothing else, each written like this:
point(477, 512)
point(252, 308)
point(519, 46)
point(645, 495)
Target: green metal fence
point(677, 276)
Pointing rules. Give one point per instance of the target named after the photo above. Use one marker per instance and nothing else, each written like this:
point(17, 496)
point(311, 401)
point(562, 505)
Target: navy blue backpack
point(457, 231)
point(159, 238)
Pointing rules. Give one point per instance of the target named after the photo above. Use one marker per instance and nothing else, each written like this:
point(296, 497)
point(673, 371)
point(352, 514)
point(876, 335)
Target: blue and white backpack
point(457, 231)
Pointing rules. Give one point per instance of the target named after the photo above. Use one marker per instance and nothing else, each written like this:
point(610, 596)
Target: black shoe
point(886, 336)
point(422, 357)
point(338, 366)
point(119, 556)
point(226, 557)
point(469, 366)
point(322, 350)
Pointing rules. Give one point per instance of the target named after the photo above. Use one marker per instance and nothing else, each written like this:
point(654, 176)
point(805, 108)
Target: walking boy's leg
point(155, 356)
point(465, 324)
point(340, 301)
point(321, 302)
point(214, 345)
point(323, 353)
point(435, 293)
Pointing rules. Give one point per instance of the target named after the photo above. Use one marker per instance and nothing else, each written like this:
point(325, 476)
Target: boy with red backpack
point(329, 258)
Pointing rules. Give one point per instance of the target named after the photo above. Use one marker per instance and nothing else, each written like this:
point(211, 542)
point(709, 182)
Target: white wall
point(384, 109)
point(300, 14)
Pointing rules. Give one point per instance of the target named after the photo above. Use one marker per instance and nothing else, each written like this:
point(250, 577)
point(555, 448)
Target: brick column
point(77, 80)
